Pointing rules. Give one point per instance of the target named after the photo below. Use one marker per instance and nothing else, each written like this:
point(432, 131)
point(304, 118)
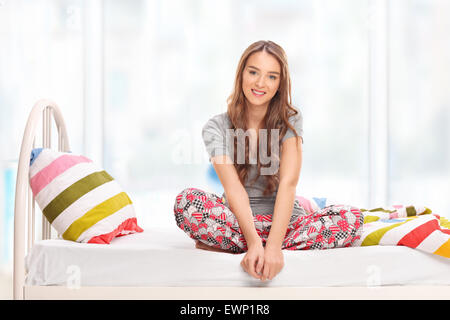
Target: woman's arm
point(290, 166)
point(239, 204)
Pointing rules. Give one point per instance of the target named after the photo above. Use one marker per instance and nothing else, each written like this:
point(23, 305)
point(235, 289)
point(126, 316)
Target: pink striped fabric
point(54, 169)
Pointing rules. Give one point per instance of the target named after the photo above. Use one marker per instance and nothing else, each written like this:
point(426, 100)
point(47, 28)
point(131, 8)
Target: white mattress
point(167, 257)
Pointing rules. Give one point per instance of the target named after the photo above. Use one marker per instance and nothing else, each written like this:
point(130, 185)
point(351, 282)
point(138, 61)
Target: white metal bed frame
point(24, 236)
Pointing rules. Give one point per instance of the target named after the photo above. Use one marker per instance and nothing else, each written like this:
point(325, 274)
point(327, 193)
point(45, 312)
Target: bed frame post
point(24, 202)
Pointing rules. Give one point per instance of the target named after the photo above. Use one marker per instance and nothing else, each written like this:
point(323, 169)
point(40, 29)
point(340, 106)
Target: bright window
point(41, 56)
point(420, 103)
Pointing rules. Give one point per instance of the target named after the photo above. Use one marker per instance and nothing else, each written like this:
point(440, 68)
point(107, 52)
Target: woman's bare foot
point(201, 245)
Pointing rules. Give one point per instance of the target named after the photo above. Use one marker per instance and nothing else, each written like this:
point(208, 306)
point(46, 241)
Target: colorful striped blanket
point(398, 225)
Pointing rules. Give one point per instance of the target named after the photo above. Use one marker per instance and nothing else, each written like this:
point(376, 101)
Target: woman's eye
point(273, 77)
point(252, 72)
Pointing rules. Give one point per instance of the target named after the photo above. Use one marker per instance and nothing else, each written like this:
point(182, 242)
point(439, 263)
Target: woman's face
point(261, 78)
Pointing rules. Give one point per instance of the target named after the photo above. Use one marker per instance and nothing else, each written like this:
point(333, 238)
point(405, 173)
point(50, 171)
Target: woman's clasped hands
point(261, 262)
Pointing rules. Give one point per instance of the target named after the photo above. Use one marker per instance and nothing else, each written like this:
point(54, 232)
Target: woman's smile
point(258, 93)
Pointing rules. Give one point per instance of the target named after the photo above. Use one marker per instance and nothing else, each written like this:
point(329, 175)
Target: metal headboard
point(24, 210)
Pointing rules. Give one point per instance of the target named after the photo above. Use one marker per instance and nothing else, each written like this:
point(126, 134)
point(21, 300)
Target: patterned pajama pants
point(205, 217)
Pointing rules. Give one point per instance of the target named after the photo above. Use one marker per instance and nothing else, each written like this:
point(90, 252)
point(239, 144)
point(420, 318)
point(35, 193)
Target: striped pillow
point(81, 201)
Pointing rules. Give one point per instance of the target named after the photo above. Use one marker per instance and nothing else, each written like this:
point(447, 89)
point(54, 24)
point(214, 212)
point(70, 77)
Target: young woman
point(259, 213)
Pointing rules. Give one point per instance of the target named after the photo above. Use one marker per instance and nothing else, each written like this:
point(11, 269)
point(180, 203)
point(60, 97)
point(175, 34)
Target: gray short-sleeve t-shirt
point(214, 135)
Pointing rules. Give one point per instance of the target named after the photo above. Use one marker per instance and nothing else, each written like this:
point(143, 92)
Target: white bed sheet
point(167, 257)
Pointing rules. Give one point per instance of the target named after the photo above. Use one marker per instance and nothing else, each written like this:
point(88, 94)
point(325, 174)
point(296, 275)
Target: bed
point(162, 262)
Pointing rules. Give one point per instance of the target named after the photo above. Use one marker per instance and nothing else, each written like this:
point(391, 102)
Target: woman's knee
point(180, 197)
point(187, 204)
point(358, 219)
point(355, 220)
point(186, 197)
point(345, 216)
point(180, 207)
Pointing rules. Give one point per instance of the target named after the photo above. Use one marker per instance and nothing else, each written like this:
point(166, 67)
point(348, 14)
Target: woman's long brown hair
point(277, 117)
